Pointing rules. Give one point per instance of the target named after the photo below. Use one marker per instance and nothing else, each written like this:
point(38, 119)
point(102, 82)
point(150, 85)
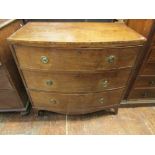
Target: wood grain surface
point(76, 82)
point(12, 92)
point(143, 93)
point(148, 69)
point(75, 103)
point(93, 60)
point(145, 81)
point(4, 79)
point(9, 100)
point(142, 83)
point(79, 33)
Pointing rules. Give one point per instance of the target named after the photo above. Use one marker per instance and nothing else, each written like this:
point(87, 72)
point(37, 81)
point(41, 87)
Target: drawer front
point(76, 82)
point(4, 80)
point(152, 56)
point(70, 103)
point(142, 94)
point(148, 69)
point(9, 100)
point(75, 59)
point(145, 81)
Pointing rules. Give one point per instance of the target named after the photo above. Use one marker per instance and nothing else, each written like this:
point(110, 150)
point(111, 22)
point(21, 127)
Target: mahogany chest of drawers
point(76, 68)
point(12, 92)
point(143, 87)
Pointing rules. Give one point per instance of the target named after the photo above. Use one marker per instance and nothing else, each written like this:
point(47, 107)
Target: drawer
point(76, 82)
point(9, 100)
point(70, 103)
point(4, 79)
point(152, 56)
point(75, 59)
point(148, 69)
point(145, 81)
point(142, 94)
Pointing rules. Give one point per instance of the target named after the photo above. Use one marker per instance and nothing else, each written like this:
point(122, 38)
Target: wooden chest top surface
point(86, 33)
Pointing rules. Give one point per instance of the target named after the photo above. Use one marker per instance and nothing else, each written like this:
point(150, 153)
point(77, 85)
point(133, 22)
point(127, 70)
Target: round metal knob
point(101, 100)
point(104, 83)
point(53, 101)
point(151, 83)
point(0, 64)
point(44, 59)
point(49, 82)
point(111, 59)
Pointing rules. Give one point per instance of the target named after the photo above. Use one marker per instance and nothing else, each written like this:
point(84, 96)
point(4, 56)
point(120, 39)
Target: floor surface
point(128, 121)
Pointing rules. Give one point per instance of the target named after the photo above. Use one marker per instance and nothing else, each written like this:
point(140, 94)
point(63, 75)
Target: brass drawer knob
point(44, 59)
point(102, 100)
point(151, 83)
point(104, 83)
point(111, 59)
point(49, 82)
point(53, 101)
point(0, 64)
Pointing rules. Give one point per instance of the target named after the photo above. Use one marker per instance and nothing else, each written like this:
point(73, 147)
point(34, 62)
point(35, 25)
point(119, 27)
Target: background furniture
point(12, 92)
point(76, 68)
point(141, 89)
